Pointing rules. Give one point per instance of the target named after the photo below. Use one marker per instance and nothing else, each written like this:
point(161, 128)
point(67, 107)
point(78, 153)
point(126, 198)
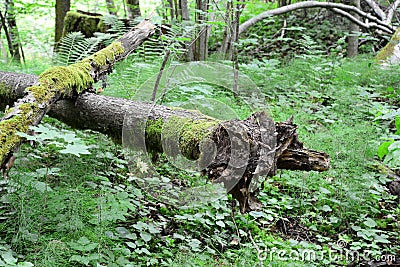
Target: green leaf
point(397, 121)
point(8, 258)
point(25, 264)
point(370, 223)
point(326, 208)
point(131, 244)
point(383, 149)
point(145, 236)
point(220, 223)
point(76, 149)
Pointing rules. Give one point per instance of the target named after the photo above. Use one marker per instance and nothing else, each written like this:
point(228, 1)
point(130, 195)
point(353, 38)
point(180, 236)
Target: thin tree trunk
point(111, 7)
point(7, 33)
point(170, 6)
point(244, 150)
point(133, 9)
point(62, 7)
point(184, 9)
point(352, 44)
point(59, 82)
point(201, 44)
point(13, 31)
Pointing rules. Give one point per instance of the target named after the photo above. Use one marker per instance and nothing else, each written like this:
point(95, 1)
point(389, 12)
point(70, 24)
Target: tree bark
point(184, 9)
point(11, 22)
point(342, 9)
point(133, 9)
point(111, 7)
point(62, 7)
point(60, 82)
point(354, 29)
point(200, 52)
point(244, 150)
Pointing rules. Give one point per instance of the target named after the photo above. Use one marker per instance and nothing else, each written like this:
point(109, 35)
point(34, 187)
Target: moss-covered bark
point(59, 82)
point(86, 23)
point(391, 52)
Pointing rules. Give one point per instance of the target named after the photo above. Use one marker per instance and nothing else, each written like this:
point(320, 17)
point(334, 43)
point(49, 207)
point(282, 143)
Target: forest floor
point(58, 209)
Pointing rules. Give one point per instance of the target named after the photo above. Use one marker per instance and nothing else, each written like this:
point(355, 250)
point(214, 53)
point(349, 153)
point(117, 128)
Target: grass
point(87, 211)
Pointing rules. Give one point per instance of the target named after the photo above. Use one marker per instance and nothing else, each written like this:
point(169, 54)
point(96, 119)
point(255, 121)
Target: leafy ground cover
point(64, 207)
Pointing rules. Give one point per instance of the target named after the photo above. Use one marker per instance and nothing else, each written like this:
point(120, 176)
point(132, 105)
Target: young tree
point(9, 23)
point(62, 7)
point(201, 44)
point(352, 47)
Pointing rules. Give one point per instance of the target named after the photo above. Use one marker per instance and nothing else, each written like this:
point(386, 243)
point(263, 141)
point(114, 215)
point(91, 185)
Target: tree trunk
point(85, 22)
point(201, 44)
point(184, 9)
point(233, 152)
point(11, 23)
point(111, 7)
point(59, 82)
point(133, 9)
point(62, 7)
point(352, 41)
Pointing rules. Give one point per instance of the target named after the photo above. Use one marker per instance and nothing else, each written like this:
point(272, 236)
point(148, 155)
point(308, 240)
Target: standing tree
point(62, 7)
point(352, 47)
point(201, 45)
point(111, 7)
point(9, 23)
point(133, 9)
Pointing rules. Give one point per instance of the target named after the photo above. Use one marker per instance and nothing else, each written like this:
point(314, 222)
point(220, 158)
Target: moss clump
point(107, 54)
point(18, 123)
point(153, 134)
point(386, 53)
point(4, 90)
point(73, 78)
point(190, 133)
point(87, 24)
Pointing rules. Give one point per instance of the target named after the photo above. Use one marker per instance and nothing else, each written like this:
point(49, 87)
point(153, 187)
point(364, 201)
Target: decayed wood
point(51, 86)
point(258, 145)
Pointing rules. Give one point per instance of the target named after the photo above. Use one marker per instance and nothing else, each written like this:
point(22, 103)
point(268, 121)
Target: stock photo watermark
point(342, 253)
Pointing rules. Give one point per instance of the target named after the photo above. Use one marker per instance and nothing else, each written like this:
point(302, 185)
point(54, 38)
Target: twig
point(259, 251)
point(160, 73)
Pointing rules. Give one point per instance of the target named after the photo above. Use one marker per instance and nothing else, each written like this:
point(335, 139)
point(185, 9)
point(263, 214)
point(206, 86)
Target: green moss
point(191, 133)
point(153, 134)
point(86, 24)
point(18, 123)
point(4, 90)
point(107, 54)
point(59, 80)
point(388, 50)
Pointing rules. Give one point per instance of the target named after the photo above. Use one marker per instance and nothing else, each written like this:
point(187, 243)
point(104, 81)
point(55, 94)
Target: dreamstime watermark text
point(340, 254)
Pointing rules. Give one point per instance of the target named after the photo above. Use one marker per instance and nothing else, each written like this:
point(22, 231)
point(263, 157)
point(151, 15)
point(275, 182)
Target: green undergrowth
point(79, 209)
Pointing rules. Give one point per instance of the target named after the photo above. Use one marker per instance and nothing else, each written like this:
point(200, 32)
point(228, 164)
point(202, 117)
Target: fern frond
point(70, 48)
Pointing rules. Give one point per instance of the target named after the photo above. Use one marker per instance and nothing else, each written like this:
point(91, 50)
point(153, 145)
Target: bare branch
point(366, 24)
point(375, 7)
point(390, 13)
point(378, 23)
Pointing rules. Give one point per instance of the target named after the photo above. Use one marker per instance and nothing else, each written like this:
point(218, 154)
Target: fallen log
point(235, 152)
point(58, 82)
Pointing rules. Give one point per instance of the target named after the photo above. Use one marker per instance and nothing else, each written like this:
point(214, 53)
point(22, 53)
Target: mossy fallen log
point(58, 82)
point(233, 152)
